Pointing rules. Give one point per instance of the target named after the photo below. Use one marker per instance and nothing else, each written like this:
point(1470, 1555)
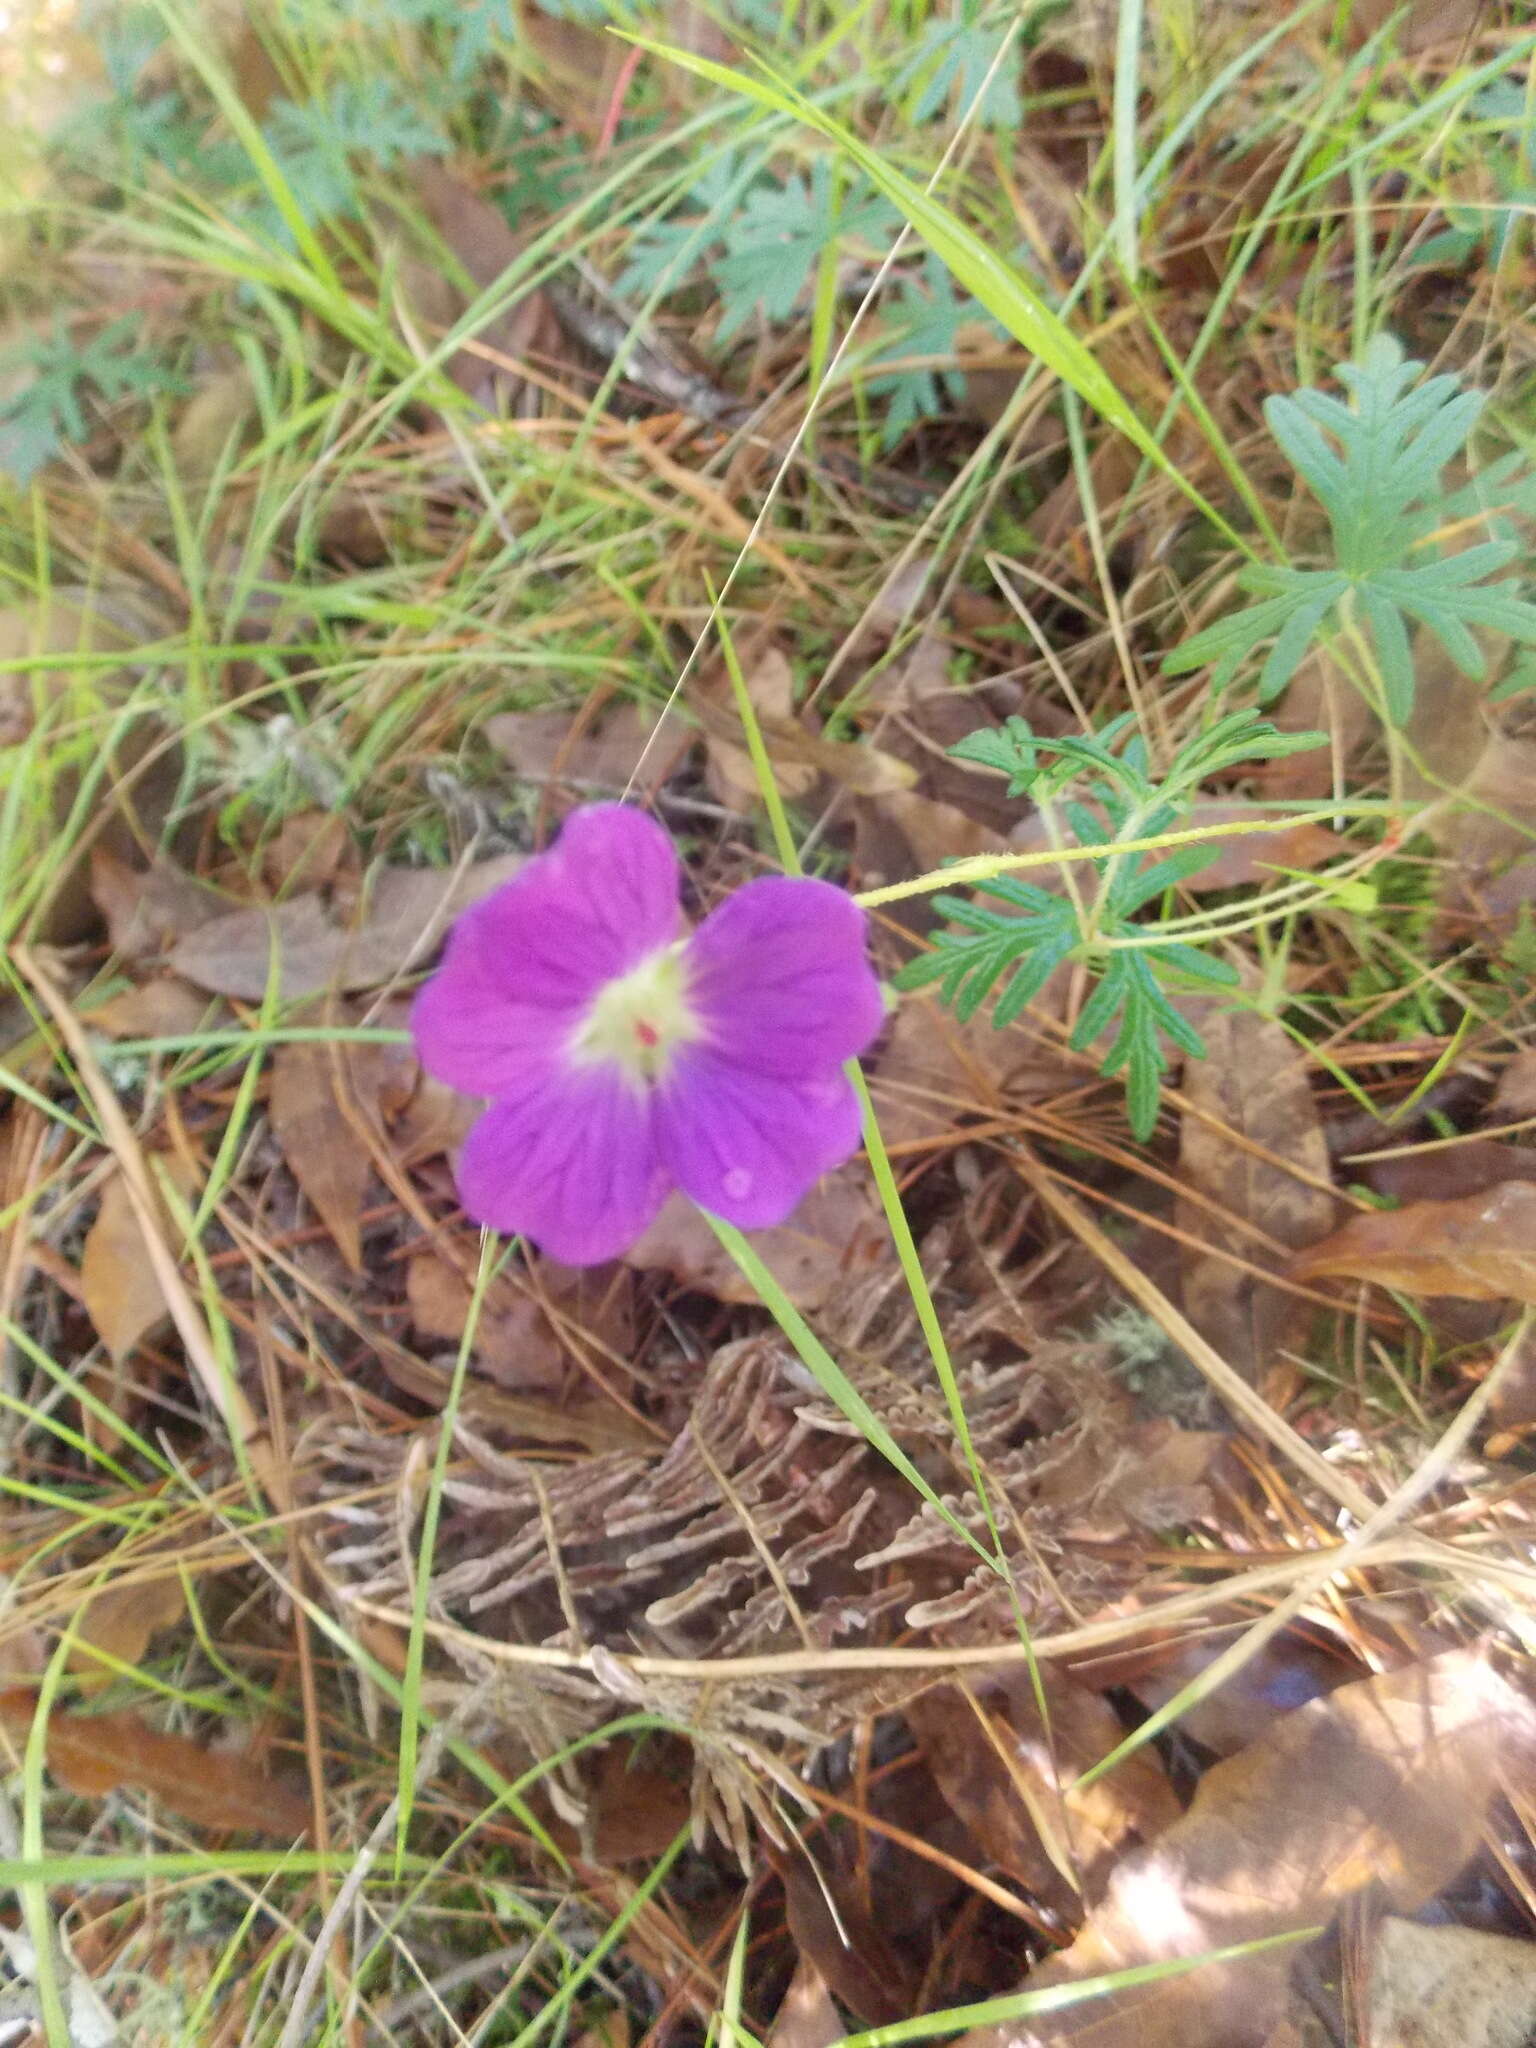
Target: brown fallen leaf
point(316, 1114)
point(300, 946)
point(933, 1070)
point(1250, 857)
point(478, 236)
point(1013, 1780)
point(162, 1007)
point(94, 1754)
point(119, 1622)
point(806, 2017)
point(728, 770)
point(1471, 1168)
point(1319, 698)
point(514, 1344)
point(1515, 1095)
point(1480, 1248)
point(795, 753)
point(1250, 1116)
point(637, 1797)
point(835, 1237)
point(142, 767)
point(122, 1295)
point(1493, 818)
point(148, 909)
point(1385, 1783)
point(866, 1971)
point(599, 753)
point(1451, 1987)
point(309, 850)
point(595, 1426)
point(1284, 1674)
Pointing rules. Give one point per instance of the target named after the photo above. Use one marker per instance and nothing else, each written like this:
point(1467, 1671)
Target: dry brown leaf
point(1515, 1096)
point(94, 1754)
point(934, 1070)
point(122, 1295)
point(132, 804)
point(638, 1798)
point(1251, 1086)
point(319, 1134)
point(435, 1120)
point(160, 1008)
point(119, 1621)
point(851, 764)
point(1283, 1674)
point(1421, 25)
point(1494, 816)
point(1385, 1783)
point(1013, 1781)
point(806, 2017)
point(1471, 1168)
point(1480, 1248)
point(1250, 857)
point(1319, 698)
point(595, 1426)
point(1451, 1987)
point(833, 1240)
point(309, 850)
point(300, 946)
point(770, 685)
point(478, 236)
point(575, 63)
point(514, 1344)
point(866, 1971)
point(1448, 727)
point(600, 753)
point(148, 909)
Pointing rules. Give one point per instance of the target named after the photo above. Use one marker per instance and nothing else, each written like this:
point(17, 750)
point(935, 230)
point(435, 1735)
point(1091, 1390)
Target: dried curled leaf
point(1386, 1783)
point(1479, 1248)
point(94, 1754)
point(302, 948)
point(1250, 1119)
point(122, 1291)
point(1013, 1779)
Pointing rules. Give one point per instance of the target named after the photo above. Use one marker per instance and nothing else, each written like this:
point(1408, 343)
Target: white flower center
point(639, 1020)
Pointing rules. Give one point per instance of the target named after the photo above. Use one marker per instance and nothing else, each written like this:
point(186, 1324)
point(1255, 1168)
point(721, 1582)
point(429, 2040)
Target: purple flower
point(625, 1057)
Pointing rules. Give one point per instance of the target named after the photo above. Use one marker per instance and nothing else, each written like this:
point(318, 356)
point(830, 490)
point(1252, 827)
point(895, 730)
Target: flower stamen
point(637, 1021)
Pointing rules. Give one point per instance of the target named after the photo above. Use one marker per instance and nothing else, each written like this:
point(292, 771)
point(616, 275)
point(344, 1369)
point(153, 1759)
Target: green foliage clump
point(1115, 803)
point(1375, 465)
point(60, 377)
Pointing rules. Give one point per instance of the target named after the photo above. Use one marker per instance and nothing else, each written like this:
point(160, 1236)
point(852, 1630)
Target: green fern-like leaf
point(1374, 464)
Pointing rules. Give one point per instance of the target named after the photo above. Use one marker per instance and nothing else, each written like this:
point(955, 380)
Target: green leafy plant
point(59, 377)
point(924, 319)
point(1374, 464)
point(1099, 786)
point(952, 62)
point(1508, 160)
point(761, 251)
point(322, 143)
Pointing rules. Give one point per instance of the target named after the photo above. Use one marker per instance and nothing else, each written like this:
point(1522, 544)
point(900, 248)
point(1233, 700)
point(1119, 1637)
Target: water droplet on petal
point(738, 1183)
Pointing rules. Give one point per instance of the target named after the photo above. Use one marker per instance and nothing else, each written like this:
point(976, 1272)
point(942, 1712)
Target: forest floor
point(1073, 1579)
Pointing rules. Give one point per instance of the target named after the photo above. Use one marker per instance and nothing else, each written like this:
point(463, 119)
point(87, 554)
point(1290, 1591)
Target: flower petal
point(522, 965)
point(750, 1145)
point(570, 1161)
point(468, 1035)
point(781, 979)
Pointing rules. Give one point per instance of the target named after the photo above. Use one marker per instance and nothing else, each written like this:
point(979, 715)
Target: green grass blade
point(1002, 290)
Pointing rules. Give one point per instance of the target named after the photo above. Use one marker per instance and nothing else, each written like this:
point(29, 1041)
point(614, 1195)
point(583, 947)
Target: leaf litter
point(903, 1764)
